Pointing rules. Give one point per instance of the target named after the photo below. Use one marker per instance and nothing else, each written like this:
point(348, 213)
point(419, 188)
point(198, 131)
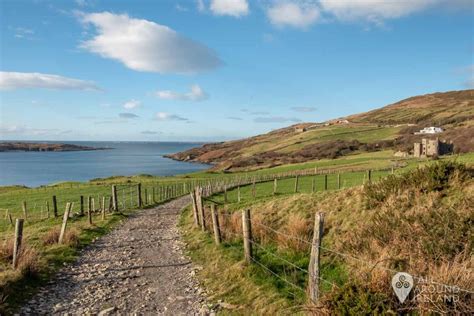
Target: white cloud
point(132, 104)
point(200, 5)
point(163, 116)
point(372, 10)
point(235, 8)
point(21, 80)
point(376, 11)
point(22, 32)
point(180, 8)
point(196, 94)
point(81, 3)
point(293, 14)
point(143, 45)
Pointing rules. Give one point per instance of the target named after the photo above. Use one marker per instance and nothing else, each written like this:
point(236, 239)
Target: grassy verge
point(416, 222)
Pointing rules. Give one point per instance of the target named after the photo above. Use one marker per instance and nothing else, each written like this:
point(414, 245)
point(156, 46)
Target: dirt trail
point(138, 268)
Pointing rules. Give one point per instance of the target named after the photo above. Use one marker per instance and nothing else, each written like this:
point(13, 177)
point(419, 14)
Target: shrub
point(356, 299)
point(434, 177)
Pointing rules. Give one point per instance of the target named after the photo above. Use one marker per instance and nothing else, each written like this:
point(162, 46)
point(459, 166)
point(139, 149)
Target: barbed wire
point(368, 263)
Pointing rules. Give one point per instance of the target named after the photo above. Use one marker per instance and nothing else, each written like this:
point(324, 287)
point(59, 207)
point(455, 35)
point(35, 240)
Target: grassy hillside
point(419, 222)
point(437, 109)
point(390, 127)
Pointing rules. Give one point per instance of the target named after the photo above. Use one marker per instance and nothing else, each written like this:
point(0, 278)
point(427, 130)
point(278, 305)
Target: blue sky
point(219, 69)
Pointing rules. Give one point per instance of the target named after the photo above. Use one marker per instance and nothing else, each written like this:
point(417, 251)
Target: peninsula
point(22, 146)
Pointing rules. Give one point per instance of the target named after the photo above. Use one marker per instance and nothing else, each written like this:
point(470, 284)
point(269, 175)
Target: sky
point(212, 70)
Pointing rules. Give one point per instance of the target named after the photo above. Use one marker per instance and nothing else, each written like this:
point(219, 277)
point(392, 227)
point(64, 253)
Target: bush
point(356, 299)
point(435, 177)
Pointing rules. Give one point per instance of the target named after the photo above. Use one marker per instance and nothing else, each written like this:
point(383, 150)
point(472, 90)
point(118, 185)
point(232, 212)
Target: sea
point(34, 169)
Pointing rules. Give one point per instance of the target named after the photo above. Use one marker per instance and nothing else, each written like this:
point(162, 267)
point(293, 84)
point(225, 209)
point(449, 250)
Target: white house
point(430, 130)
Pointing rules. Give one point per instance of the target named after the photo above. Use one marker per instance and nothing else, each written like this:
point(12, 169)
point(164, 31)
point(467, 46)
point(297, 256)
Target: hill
point(390, 127)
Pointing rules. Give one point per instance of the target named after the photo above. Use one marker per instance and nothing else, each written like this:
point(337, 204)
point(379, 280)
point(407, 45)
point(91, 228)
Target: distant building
point(333, 122)
point(300, 129)
point(432, 147)
point(430, 130)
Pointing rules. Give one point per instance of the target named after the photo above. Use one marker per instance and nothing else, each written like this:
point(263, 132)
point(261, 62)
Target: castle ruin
point(432, 148)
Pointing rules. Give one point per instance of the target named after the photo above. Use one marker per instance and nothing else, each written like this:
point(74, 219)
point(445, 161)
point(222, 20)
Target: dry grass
point(71, 237)
point(28, 259)
point(297, 226)
point(426, 233)
point(6, 250)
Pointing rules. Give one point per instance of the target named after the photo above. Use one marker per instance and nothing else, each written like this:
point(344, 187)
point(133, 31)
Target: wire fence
point(38, 206)
point(231, 230)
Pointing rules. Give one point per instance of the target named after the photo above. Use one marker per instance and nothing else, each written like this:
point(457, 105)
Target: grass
point(414, 229)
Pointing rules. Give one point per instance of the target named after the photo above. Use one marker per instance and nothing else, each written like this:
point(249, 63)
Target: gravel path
point(139, 268)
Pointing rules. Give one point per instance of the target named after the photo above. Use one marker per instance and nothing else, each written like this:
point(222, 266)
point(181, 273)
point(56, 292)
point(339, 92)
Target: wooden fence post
point(200, 207)
point(275, 186)
point(338, 181)
point(313, 184)
point(103, 207)
point(89, 204)
point(89, 210)
point(296, 184)
point(18, 239)
point(195, 209)
point(47, 209)
point(314, 263)
point(215, 225)
point(247, 234)
point(81, 210)
point(55, 206)
point(369, 175)
point(325, 182)
point(253, 189)
point(114, 199)
point(63, 226)
point(93, 205)
point(153, 192)
point(25, 211)
point(238, 194)
point(139, 195)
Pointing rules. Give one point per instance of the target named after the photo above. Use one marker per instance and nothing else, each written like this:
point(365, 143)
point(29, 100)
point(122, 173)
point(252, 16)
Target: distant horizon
point(99, 141)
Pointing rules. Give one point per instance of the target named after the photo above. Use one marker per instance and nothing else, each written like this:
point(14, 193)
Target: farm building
point(430, 130)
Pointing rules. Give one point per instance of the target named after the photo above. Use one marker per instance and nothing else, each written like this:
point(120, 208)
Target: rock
point(106, 311)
